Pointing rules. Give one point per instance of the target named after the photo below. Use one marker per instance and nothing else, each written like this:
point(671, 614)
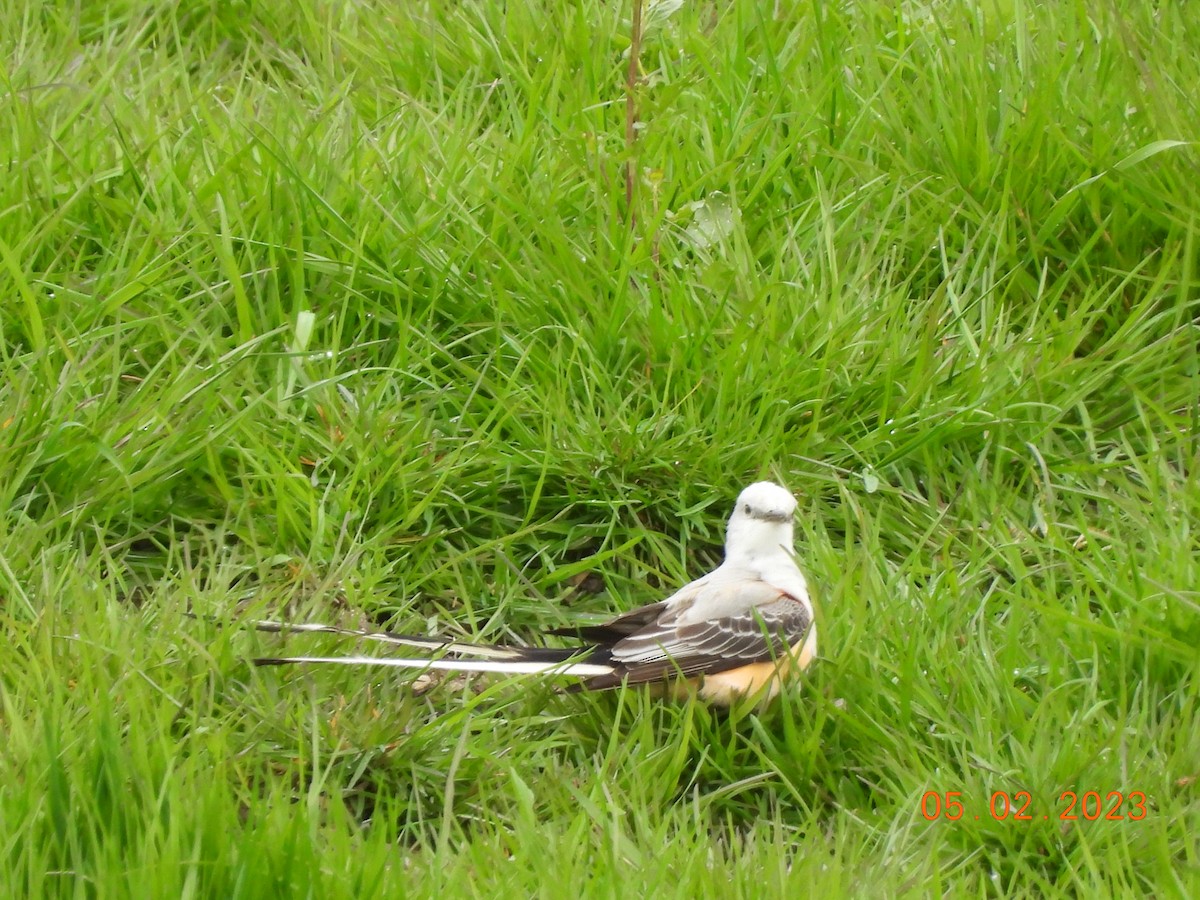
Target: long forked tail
point(495, 657)
point(433, 645)
point(509, 666)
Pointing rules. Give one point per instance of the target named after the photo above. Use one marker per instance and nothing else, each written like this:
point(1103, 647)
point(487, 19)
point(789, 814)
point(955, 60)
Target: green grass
point(333, 310)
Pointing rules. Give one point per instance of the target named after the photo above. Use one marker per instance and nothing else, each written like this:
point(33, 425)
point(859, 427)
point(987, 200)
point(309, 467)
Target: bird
point(742, 630)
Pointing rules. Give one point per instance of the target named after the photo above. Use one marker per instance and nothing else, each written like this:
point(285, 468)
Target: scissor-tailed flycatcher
point(737, 631)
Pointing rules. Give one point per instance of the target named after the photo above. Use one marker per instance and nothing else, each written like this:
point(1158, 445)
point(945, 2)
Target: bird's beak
point(773, 516)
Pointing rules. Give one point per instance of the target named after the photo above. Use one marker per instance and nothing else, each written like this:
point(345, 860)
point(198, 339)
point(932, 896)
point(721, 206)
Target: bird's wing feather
point(677, 645)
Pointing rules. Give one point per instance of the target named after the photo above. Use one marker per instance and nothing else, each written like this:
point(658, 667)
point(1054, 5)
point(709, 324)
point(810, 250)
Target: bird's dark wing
point(675, 646)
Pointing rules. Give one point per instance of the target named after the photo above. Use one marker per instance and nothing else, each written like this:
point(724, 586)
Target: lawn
point(431, 315)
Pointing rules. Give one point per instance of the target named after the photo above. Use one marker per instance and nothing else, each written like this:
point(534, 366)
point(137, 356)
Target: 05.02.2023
point(1071, 806)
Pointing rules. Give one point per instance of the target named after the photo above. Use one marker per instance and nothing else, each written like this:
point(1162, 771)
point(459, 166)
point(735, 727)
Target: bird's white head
point(761, 523)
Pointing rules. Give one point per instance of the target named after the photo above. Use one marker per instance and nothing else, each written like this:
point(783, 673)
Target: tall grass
point(334, 311)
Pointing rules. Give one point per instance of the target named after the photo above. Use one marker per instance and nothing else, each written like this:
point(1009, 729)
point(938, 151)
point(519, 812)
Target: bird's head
point(761, 521)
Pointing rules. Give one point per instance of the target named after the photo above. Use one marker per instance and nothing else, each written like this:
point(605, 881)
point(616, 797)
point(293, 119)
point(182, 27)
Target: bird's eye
point(747, 510)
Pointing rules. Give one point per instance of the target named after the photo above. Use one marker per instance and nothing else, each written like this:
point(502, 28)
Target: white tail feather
point(387, 637)
point(510, 667)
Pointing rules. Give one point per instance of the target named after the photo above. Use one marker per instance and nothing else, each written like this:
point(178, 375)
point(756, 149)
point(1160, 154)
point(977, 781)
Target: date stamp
point(1019, 807)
